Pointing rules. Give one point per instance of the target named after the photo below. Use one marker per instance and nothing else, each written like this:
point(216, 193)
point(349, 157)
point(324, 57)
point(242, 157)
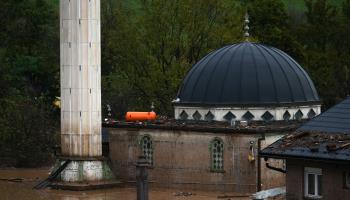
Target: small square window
point(347, 179)
point(209, 116)
point(248, 116)
point(197, 116)
point(267, 116)
point(229, 116)
point(183, 115)
point(313, 182)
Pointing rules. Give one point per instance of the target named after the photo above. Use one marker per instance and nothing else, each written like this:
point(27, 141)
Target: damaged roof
point(311, 145)
point(253, 127)
point(326, 137)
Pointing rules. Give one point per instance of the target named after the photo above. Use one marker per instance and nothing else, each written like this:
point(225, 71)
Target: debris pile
point(312, 144)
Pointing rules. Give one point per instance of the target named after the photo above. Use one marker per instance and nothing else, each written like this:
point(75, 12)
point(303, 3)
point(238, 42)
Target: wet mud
point(17, 184)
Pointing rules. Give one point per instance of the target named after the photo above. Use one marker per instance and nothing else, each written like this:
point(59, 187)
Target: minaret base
point(84, 175)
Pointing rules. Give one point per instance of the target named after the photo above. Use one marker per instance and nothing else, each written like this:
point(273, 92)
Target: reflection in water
point(79, 198)
point(23, 190)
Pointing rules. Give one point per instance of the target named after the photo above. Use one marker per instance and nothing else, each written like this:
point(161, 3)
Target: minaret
point(80, 43)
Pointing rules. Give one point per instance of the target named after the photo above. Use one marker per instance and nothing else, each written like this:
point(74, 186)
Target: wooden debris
point(297, 135)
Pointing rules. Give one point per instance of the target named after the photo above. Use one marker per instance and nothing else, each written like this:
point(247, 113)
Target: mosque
point(232, 103)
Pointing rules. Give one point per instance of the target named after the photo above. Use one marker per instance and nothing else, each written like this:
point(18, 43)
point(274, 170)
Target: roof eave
point(282, 104)
point(287, 156)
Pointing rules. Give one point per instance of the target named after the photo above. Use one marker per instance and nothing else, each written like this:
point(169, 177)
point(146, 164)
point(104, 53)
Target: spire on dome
point(246, 26)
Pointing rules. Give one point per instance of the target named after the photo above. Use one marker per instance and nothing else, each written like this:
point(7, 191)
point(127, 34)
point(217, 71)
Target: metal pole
point(142, 178)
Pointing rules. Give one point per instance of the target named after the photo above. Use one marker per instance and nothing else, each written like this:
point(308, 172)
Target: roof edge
point(288, 156)
point(200, 104)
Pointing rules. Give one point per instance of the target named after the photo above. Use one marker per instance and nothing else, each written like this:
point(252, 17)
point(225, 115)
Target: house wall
point(181, 159)
point(271, 178)
point(332, 179)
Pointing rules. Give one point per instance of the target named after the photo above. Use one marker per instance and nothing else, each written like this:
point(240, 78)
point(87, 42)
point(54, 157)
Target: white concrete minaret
point(80, 40)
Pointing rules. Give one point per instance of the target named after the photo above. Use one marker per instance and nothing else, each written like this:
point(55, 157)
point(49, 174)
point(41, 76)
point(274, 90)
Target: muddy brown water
point(23, 190)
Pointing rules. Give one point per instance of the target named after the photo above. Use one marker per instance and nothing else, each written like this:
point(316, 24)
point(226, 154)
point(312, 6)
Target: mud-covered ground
point(16, 184)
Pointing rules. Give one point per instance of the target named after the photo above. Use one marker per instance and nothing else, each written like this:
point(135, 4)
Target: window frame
point(212, 168)
point(316, 172)
point(347, 179)
point(150, 161)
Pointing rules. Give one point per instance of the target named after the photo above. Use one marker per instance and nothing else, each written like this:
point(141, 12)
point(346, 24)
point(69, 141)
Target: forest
point(147, 48)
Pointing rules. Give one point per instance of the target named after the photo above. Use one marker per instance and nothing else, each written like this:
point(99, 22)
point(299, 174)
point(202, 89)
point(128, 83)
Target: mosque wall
point(183, 159)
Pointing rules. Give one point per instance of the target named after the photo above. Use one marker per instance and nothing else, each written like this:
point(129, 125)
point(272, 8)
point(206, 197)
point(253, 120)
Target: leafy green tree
point(322, 22)
point(326, 49)
point(29, 59)
point(270, 24)
point(153, 48)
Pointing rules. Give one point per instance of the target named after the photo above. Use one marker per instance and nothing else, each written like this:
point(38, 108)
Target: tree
point(270, 24)
point(152, 48)
point(326, 40)
point(29, 60)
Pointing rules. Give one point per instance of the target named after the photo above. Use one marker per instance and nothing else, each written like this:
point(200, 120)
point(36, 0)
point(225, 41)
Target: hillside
point(299, 5)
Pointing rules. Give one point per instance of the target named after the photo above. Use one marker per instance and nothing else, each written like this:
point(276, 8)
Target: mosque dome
point(247, 75)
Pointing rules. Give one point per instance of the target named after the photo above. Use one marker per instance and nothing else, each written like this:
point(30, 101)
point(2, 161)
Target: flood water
point(22, 190)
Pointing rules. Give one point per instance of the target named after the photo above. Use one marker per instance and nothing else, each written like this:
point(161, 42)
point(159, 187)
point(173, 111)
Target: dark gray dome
point(247, 74)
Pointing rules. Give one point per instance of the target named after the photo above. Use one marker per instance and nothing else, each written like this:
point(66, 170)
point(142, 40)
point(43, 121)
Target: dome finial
point(246, 26)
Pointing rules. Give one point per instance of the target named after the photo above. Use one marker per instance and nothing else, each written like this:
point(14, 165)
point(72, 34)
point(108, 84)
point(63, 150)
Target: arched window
point(286, 116)
point(299, 115)
point(147, 148)
point(217, 155)
point(311, 114)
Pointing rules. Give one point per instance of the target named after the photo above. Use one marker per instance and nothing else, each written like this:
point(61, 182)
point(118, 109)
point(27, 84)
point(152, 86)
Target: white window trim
point(316, 172)
point(347, 179)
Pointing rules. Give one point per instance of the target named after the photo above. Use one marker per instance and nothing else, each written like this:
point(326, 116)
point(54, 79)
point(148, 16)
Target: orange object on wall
point(140, 116)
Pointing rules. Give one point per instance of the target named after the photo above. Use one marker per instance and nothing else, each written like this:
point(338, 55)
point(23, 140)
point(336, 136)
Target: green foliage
point(326, 46)
point(28, 130)
point(270, 24)
point(29, 56)
point(153, 46)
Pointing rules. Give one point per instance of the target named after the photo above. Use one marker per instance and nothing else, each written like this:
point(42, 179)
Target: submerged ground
point(27, 178)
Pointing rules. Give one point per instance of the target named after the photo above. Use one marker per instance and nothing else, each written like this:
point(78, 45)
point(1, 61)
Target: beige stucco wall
point(271, 178)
